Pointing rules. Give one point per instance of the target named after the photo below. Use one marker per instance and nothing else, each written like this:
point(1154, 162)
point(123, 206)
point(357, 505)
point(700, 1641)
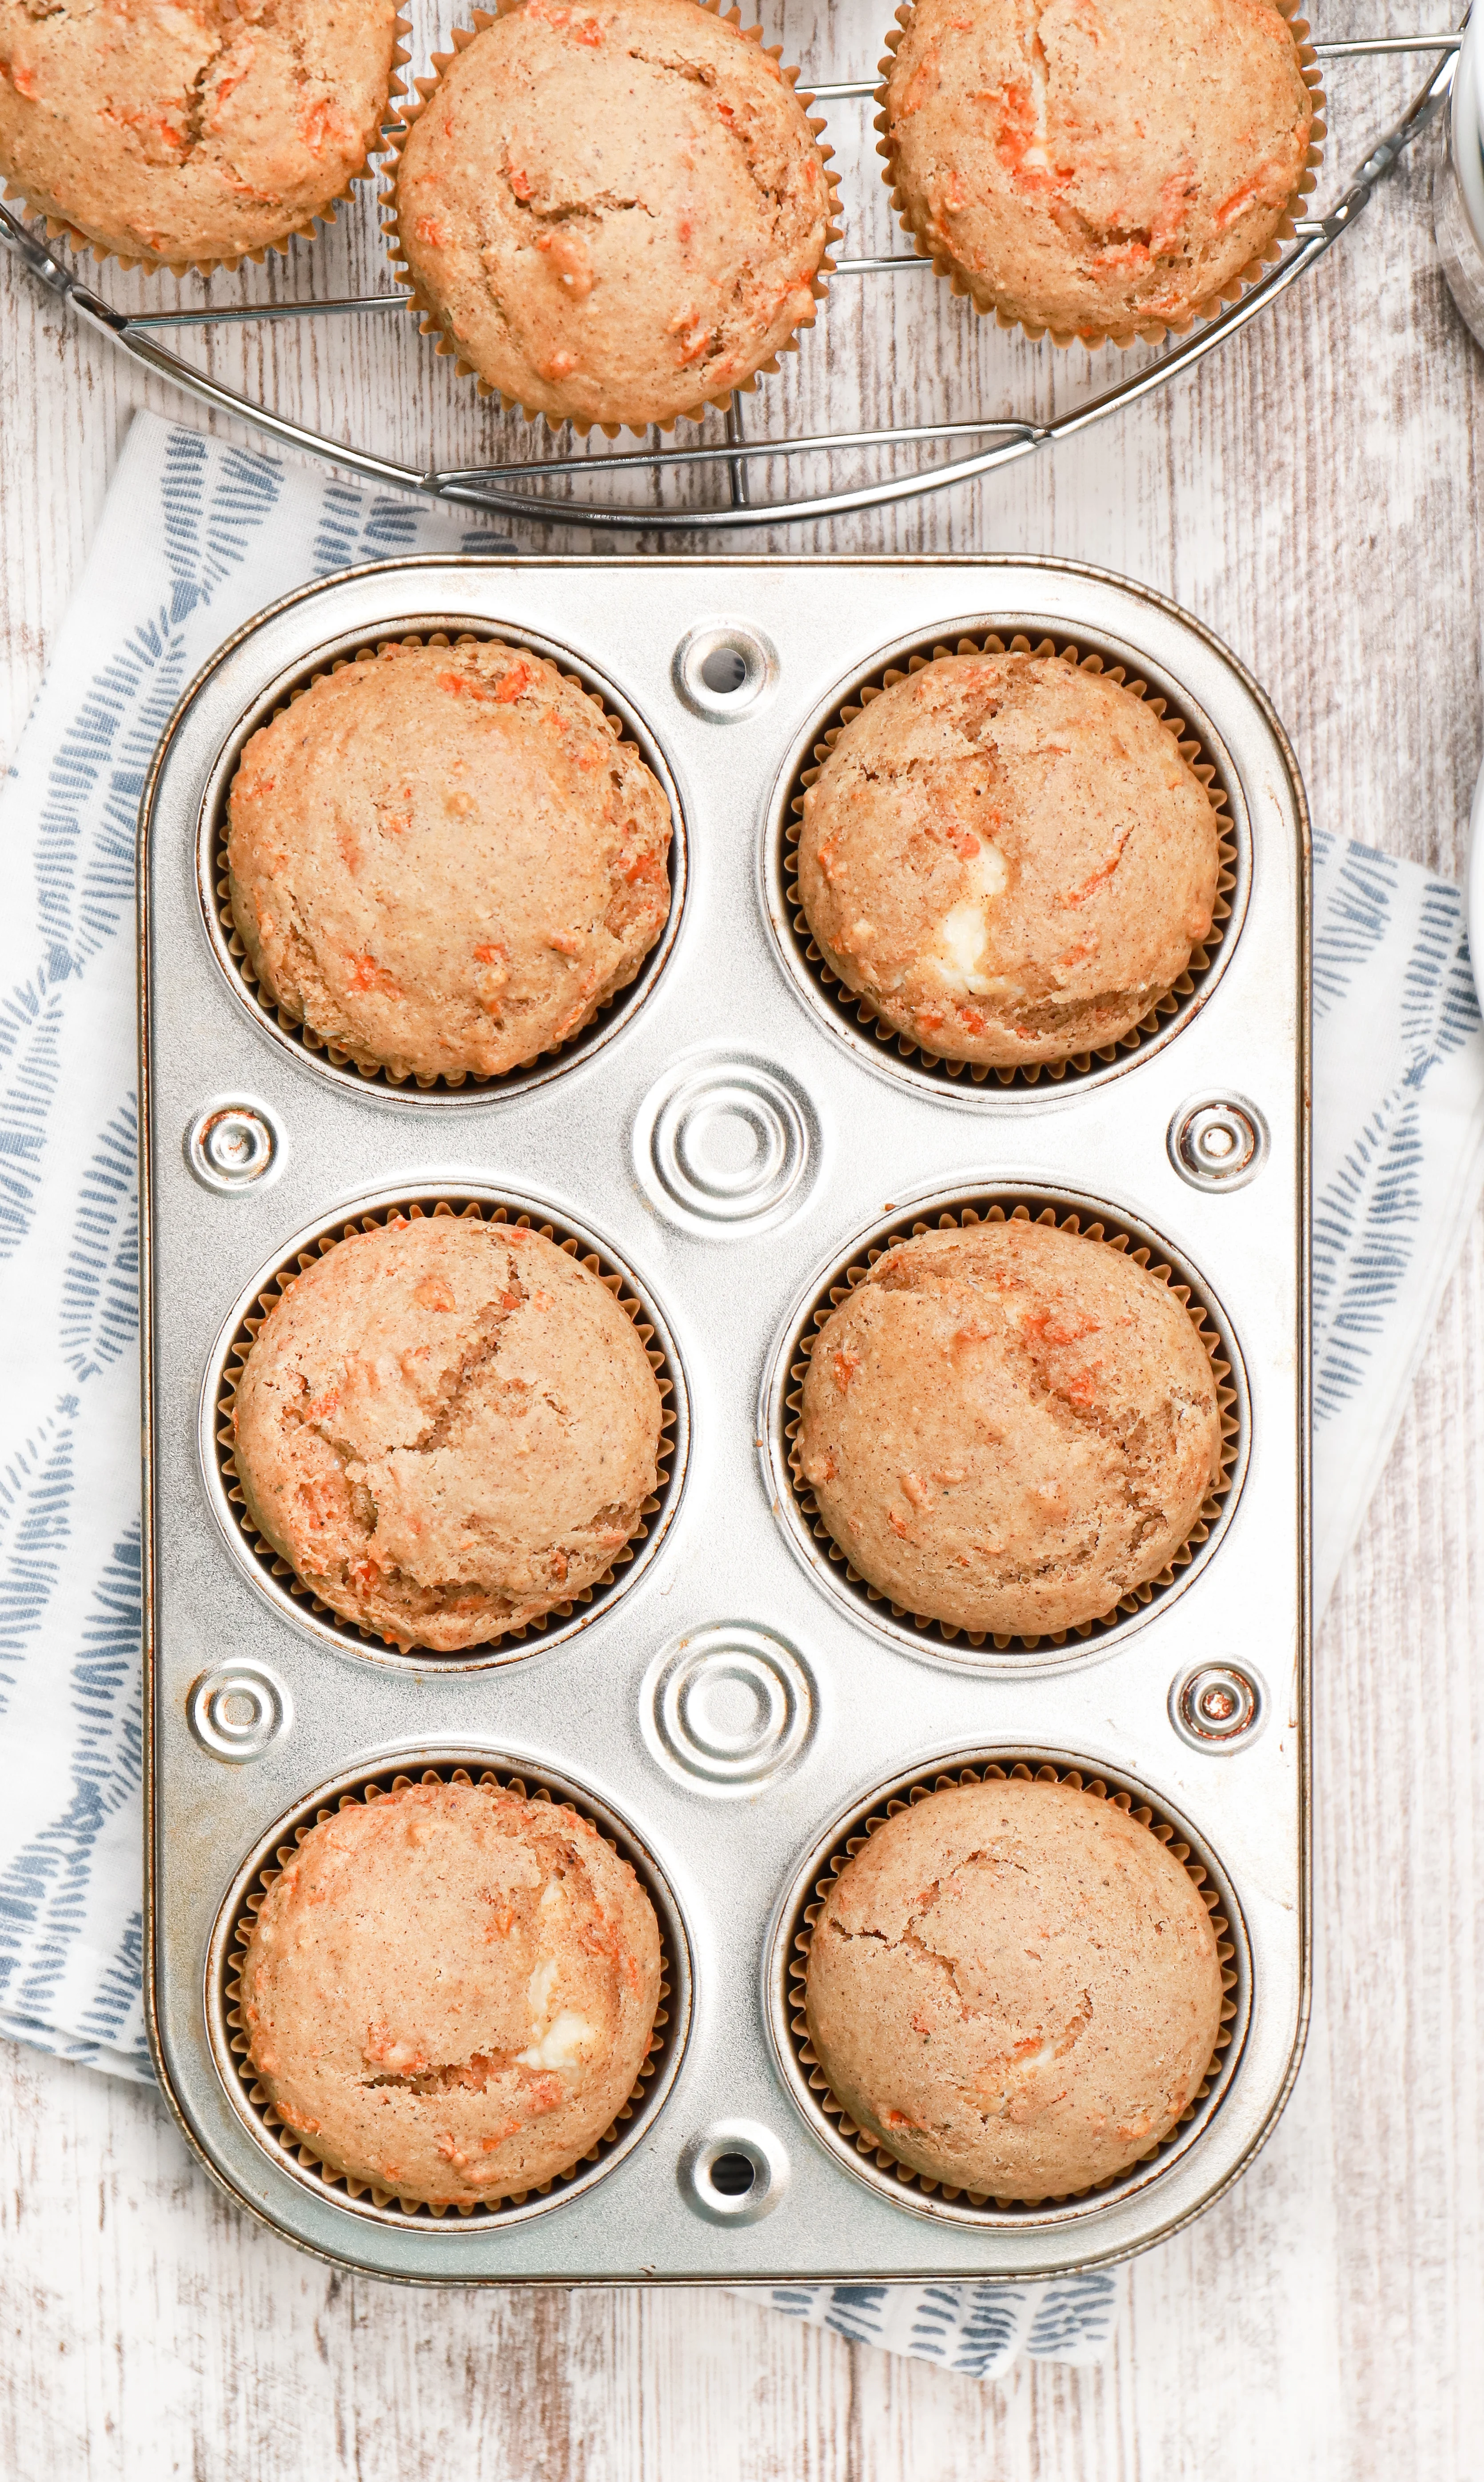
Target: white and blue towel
point(195, 536)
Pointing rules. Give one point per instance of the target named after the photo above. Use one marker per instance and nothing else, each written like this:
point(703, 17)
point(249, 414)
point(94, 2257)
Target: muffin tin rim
point(778, 1951)
point(883, 1056)
point(443, 1754)
point(495, 1653)
point(211, 844)
point(776, 1471)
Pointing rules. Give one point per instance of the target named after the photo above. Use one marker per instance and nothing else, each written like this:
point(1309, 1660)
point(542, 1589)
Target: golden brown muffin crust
point(1008, 1427)
point(1009, 857)
point(449, 1990)
point(184, 130)
point(442, 861)
point(617, 209)
point(1096, 166)
point(447, 1428)
point(1014, 1988)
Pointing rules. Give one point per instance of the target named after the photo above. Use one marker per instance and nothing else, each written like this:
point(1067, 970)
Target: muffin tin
point(728, 1708)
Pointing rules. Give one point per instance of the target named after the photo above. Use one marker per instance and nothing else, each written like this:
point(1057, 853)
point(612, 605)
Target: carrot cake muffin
point(447, 1428)
point(1095, 167)
point(1014, 1988)
point(190, 131)
point(1008, 1427)
point(616, 210)
point(449, 1991)
point(1008, 858)
point(443, 862)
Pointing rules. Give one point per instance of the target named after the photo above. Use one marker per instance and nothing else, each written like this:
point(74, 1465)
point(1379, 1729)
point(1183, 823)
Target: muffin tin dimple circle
point(798, 1513)
point(234, 1145)
point(725, 1143)
point(301, 1040)
point(852, 1018)
point(272, 1576)
point(230, 2041)
point(787, 1960)
point(238, 1711)
point(728, 1707)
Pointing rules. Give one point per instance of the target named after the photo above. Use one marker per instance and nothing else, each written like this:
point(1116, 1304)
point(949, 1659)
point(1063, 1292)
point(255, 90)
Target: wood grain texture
point(1311, 494)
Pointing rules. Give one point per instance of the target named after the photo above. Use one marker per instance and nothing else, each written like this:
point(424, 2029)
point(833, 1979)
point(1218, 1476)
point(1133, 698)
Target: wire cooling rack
point(516, 490)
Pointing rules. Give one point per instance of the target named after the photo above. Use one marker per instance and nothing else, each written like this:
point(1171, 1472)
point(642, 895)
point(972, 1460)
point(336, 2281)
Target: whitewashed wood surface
point(1311, 496)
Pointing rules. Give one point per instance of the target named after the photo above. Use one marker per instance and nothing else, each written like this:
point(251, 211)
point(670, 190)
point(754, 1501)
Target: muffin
point(1009, 1427)
point(444, 863)
point(449, 1991)
point(1098, 173)
point(615, 212)
point(1014, 1988)
point(189, 132)
point(1008, 858)
point(447, 1428)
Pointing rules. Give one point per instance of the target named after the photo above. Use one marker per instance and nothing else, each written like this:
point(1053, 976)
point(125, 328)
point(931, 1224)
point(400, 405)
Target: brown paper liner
point(1147, 332)
point(273, 2133)
point(318, 1045)
point(429, 318)
point(58, 227)
point(850, 1004)
point(1009, 1208)
point(813, 2085)
point(234, 1362)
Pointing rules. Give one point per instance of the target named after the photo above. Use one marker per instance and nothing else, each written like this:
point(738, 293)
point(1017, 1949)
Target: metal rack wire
point(515, 490)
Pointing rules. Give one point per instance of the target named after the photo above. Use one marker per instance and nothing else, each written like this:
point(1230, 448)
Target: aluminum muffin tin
point(730, 1706)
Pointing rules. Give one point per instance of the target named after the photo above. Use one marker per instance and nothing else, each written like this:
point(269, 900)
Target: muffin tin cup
point(299, 2157)
point(854, 1016)
point(278, 1023)
point(1146, 331)
point(430, 320)
point(919, 1633)
point(858, 2149)
point(58, 227)
point(731, 1708)
point(275, 1576)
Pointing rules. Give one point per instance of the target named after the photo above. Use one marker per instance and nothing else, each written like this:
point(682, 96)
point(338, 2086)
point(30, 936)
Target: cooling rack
point(519, 488)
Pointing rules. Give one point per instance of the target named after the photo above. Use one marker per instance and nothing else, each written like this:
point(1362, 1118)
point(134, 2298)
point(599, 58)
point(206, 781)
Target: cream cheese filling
point(964, 932)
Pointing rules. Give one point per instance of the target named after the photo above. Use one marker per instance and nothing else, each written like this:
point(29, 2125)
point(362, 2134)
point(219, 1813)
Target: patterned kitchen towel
point(195, 536)
point(975, 2329)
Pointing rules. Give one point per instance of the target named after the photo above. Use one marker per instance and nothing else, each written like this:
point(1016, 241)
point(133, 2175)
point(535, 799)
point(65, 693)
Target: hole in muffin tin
point(228, 2041)
point(272, 1574)
point(798, 1510)
point(788, 1956)
point(226, 942)
point(853, 1018)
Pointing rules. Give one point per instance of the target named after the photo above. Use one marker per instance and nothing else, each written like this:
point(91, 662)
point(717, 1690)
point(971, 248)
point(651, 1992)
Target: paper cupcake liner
point(231, 948)
point(278, 1575)
point(1144, 331)
point(59, 229)
point(864, 2153)
point(853, 1006)
point(1017, 1207)
point(296, 2153)
point(429, 318)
